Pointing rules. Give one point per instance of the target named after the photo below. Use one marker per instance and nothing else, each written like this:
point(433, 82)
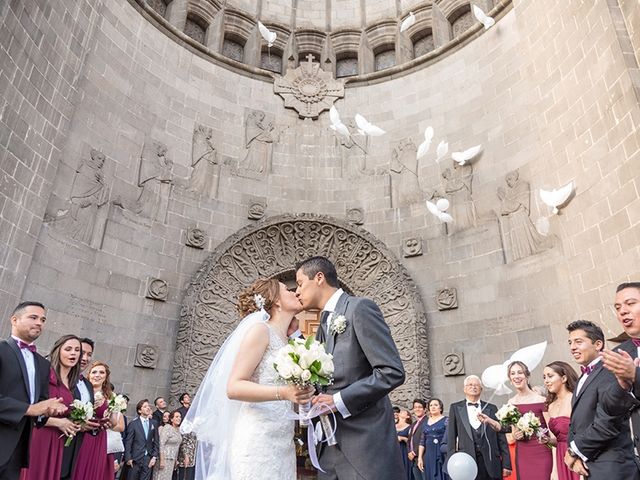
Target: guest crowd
point(584, 420)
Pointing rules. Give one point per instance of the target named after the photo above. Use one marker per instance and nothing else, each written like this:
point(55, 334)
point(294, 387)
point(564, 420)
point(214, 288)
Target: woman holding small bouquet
point(533, 455)
point(239, 412)
point(93, 462)
point(47, 443)
point(170, 440)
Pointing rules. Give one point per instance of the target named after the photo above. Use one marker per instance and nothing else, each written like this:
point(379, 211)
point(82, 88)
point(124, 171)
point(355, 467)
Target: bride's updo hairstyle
point(269, 289)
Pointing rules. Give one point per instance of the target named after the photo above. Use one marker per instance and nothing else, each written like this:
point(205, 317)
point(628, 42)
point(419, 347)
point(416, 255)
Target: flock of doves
point(552, 198)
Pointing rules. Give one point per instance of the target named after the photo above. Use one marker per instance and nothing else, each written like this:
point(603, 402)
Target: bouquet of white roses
point(528, 424)
point(79, 412)
point(304, 363)
point(508, 414)
point(117, 404)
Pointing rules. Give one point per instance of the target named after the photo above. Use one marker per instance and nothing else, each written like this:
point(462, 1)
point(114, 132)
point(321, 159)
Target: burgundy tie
point(636, 341)
point(22, 345)
point(587, 370)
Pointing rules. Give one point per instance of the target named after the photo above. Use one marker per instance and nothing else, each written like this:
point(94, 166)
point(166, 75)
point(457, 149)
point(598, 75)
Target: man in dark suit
point(367, 368)
point(185, 403)
point(24, 388)
point(415, 432)
point(161, 407)
point(599, 440)
point(466, 433)
point(141, 444)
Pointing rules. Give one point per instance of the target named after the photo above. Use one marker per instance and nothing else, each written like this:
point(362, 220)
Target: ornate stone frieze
point(146, 356)
point(308, 89)
point(157, 289)
point(272, 248)
point(447, 299)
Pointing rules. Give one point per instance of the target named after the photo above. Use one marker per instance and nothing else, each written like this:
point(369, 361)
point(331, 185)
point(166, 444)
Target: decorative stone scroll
point(412, 247)
point(308, 89)
point(447, 299)
point(195, 237)
point(271, 248)
point(146, 356)
point(157, 289)
point(453, 364)
point(355, 216)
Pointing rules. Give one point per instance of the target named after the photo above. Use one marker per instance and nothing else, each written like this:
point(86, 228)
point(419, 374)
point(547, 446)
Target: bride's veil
point(213, 415)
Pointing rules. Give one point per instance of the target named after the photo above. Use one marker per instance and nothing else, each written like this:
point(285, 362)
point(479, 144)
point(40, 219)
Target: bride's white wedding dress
point(262, 439)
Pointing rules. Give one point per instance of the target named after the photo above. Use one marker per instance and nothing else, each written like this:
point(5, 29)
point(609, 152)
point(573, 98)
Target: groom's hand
point(324, 399)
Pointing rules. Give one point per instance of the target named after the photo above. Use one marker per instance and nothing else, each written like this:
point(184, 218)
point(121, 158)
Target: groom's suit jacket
point(600, 427)
point(367, 367)
point(494, 447)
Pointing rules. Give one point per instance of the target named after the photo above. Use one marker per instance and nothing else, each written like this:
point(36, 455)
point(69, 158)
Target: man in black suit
point(599, 440)
point(415, 432)
point(185, 402)
point(161, 407)
point(141, 444)
point(24, 388)
point(466, 433)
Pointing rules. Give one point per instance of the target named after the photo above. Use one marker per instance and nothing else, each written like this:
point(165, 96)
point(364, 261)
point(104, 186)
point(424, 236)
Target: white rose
point(296, 371)
point(305, 375)
point(285, 371)
point(327, 368)
point(306, 359)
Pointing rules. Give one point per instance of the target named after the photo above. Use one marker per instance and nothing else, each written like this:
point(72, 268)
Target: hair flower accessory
point(259, 301)
point(338, 324)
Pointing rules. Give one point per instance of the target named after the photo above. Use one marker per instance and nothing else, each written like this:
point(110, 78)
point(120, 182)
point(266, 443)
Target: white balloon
point(442, 204)
point(462, 466)
point(494, 376)
point(531, 356)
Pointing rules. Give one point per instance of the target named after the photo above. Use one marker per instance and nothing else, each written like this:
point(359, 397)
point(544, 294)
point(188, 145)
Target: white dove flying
point(483, 18)
point(336, 123)
point(439, 214)
point(466, 156)
point(366, 128)
point(555, 198)
point(267, 34)
point(423, 148)
point(407, 22)
point(441, 151)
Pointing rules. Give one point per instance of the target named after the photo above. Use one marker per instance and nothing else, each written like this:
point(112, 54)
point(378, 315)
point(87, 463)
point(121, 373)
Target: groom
point(367, 368)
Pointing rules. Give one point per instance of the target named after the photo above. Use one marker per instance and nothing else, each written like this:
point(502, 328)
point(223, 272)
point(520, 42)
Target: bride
point(239, 412)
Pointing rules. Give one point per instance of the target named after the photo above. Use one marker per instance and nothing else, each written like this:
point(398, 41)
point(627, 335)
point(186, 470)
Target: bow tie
point(22, 345)
point(469, 404)
point(636, 341)
point(587, 370)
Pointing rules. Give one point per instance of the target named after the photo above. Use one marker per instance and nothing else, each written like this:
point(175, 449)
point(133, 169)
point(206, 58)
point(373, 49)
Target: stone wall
point(540, 91)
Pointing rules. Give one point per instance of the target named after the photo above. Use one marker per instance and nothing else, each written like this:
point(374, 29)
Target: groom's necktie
point(324, 318)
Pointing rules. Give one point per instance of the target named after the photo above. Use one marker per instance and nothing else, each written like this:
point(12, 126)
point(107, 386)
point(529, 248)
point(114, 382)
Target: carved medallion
point(146, 356)
point(365, 266)
point(412, 247)
point(453, 364)
point(447, 299)
point(355, 216)
point(157, 289)
point(308, 89)
point(256, 210)
point(195, 237)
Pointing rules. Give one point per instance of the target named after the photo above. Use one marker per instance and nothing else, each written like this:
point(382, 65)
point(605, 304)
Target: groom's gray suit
point(367, 368)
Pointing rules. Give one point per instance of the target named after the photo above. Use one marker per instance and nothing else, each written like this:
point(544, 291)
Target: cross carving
point(310, 58)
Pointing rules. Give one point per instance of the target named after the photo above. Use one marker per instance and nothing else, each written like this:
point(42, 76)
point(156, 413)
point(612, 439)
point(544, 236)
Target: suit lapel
point(629, 347)
point(590, 378)
point(341, 308)
point(464, 418)
point(23, 366)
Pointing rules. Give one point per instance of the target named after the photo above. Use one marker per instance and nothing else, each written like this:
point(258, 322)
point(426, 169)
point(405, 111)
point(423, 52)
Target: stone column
point(215, 33)
point(290, 55)
point(442, 31)
point(366, 59)
point(253, 48)
point(176, 14)
point(328, 57)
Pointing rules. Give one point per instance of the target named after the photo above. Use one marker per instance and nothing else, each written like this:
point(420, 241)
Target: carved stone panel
point(412, 247)
point(308, 89)
point(195, 237)
point(355, 215)
point(365, 266)
point(146, 356)
point(453, 364)
point(257, 207)
point(447, 299)
point(205, 175)
point(157, 289)
point(259, 136)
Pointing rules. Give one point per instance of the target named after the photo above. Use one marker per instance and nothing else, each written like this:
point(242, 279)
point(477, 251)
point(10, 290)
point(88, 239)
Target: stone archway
point(271, 248)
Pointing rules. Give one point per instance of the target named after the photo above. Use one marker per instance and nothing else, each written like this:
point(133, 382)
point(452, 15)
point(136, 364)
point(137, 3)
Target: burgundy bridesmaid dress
point(93, 463)
point(559, 426)
point(534, 460)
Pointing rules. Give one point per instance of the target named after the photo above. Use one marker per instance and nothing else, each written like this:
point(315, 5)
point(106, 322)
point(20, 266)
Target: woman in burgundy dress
point(534, 460)
point(47, 442)
point(93, 463)
point(561, 380)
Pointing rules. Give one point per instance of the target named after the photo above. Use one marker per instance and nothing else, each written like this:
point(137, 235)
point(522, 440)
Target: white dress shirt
point(473, 412)
point(30, 363)
point(330, 306)
point(85, 396)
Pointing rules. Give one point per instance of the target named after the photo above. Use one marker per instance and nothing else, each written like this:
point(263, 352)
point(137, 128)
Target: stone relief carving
point(353, 152)
point(405, 186)
point(88, 204)
point(195, 237)
point(257, 208)
point(520, 238)
point(447, 299)
point(259, 136)
point(355, 215)
point(365, 265)
point(453, 364)
point(457, 187)
point(308, 89)
point(157, 289)
point(412, 247)
point(146, 356)
point(205, 175)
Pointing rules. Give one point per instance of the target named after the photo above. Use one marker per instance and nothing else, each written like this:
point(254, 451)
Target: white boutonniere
point(338, 324)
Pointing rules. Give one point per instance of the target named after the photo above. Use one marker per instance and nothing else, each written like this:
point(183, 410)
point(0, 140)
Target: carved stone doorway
point(271, 248)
